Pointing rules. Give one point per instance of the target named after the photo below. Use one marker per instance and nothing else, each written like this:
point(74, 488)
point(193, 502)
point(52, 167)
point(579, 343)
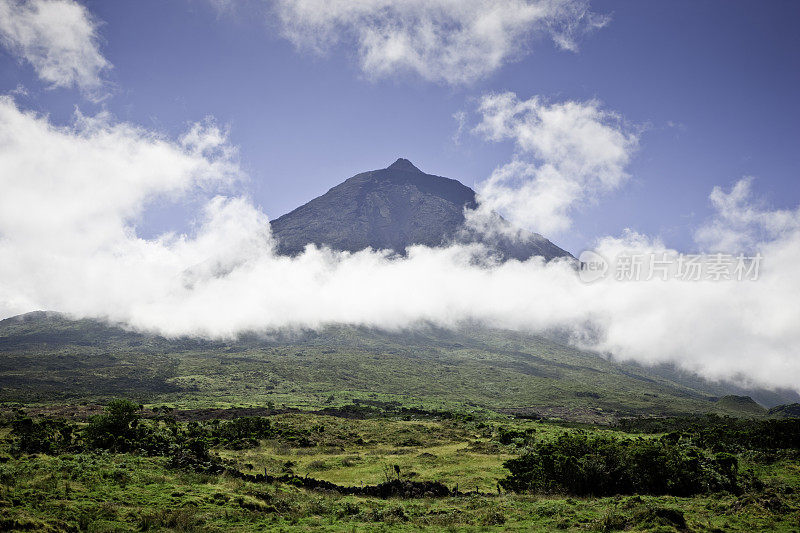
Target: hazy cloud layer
point(567, 154)
point(452, 41)
point(68, 243)
point(57, 37)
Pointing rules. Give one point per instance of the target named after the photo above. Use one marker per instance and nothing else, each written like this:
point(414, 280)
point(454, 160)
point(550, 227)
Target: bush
point(193, 454)
point(41, 436)
point(604, 466)
point(519, 437)
point(236, 434)
point(720, 433)
point(117, 429)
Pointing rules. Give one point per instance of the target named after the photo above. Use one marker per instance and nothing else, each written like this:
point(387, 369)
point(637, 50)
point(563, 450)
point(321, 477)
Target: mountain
point(50, 358)
point(394, 208)
point(786, 411)
point(742, 404)
point(765, 397)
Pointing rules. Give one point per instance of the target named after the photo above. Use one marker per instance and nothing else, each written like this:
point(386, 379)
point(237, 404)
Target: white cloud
point(723, 330)
point(87, 181)
point(68, 243)
point(452, 41)
point(57, 37)
point(742, 222)
point(567, 154)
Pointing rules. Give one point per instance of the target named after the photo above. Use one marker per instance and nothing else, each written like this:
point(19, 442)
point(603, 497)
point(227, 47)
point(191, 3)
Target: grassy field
point(106, 491)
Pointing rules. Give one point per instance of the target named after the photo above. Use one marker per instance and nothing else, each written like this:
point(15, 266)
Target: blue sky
point(712, 85)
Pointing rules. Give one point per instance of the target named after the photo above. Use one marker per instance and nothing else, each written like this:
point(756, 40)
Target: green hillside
point(48, 358)
point(350, 429)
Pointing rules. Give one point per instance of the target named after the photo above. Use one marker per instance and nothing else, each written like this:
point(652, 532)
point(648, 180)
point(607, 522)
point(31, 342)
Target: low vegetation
point(576, 463)
point(357, 430)
point(135, 468)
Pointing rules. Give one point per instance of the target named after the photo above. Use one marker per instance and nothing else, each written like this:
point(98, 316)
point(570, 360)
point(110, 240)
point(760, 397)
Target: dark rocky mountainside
point(394, 208)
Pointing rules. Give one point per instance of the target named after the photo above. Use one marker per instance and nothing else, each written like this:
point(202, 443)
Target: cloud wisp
point(449, 41)
point(68, 243)
point(567, 154)
point(59, 38)
point(742, 222)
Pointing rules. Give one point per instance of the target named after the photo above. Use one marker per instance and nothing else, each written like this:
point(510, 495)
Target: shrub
point(236, 434)
point(720, 433)
point(603, 466)
point(41, 436)
point(116, 429)
point(511, 436)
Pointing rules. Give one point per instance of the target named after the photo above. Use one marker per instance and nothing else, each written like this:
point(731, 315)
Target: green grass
point(124, 492)
point(352, 452)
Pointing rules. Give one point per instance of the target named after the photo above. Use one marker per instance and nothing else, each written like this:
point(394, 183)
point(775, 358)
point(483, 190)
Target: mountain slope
point(394, 208)
point(47, 357)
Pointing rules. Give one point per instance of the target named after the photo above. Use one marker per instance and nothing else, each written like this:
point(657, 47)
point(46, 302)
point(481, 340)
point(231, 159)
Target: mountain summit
point(403, 164)
point(394, 208)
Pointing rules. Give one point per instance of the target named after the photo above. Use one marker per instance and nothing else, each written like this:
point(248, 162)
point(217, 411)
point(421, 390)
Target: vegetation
point(47, 358)
point(353, 429)
point(603, 466)
point(723, 434)
point(157, 468)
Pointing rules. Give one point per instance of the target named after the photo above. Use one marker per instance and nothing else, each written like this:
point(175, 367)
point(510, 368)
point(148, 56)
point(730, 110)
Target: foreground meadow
point(368, 468)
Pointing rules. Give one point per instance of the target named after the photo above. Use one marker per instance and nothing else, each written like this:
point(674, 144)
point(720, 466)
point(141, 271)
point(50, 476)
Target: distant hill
point(394, 208)
point(791, 410)
point(742, 404)
point(48, 357)
point(765, 397)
